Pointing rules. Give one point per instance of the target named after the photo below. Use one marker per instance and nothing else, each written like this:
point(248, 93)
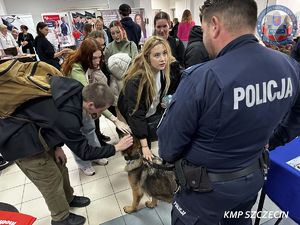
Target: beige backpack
point(20, 82)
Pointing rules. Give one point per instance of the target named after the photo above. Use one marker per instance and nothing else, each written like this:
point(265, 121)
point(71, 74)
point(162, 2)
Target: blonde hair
point(2, 26)
point(98, 21)
point(141, 68)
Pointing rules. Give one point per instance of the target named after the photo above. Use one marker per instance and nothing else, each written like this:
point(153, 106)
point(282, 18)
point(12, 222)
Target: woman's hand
point(147, 154)
point(122, 126)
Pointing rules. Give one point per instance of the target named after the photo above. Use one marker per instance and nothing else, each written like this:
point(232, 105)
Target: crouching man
point(34, 134)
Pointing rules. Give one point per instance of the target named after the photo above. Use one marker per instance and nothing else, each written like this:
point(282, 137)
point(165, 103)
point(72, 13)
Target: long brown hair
point(141, 68)
point(187, 16)
point(83, 55)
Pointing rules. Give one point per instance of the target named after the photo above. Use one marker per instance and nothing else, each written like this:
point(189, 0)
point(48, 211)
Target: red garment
point(184, 29)
point(14, 218)
point(76, 34)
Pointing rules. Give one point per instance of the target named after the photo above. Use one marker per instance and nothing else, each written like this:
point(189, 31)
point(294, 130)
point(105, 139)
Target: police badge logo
point(276, 20)
point(277, 25)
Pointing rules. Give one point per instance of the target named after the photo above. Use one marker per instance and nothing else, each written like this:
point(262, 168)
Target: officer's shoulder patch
point(191, 69)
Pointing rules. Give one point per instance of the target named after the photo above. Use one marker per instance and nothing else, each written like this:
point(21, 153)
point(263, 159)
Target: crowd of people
point(111, 74)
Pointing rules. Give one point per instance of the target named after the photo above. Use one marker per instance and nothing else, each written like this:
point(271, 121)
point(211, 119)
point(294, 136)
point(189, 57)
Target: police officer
point(222, 115)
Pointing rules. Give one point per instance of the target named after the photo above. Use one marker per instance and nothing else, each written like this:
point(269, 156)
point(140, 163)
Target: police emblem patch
point(277, 25)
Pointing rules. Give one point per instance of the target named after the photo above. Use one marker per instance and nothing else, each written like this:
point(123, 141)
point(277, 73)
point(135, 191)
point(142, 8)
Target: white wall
point(2, 8)
point(36, 8)
point(261, 5)
point(164, 5)
point(195, 10)
point(147, 5)
point(293, 5)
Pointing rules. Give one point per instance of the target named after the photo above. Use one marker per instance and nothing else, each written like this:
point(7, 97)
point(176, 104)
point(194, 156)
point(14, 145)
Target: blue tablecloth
point(283, 184)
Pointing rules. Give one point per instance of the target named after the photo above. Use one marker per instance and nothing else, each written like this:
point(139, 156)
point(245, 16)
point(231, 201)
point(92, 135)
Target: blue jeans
point(88, 130)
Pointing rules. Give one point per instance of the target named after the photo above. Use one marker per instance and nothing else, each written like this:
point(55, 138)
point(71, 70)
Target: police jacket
point(225, 110)
point(133, 30)
point(127, 101)
point(60, 120)
point(195, 51)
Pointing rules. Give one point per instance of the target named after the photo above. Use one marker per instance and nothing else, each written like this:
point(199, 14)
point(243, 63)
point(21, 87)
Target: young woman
point(26, 40)
point(139, 20)
point(162, 27)
point(99, 37)
point(120, 42)
point(185, 26)
point(99, 27)
point(45, 49)
point(147, 81)
point(83, 65)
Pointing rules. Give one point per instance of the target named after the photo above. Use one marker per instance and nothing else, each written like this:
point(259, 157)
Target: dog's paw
point(151, 204)
point(129, 209)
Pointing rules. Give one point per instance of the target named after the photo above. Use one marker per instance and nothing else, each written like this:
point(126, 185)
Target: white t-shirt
point(156, 99)
point(7, 41)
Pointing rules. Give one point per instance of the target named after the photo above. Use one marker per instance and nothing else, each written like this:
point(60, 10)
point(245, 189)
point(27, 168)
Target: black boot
point(79, 201)
point(72, 219)
point(3, 163)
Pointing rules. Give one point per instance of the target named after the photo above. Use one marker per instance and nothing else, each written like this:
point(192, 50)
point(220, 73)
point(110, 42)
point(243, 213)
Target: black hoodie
point(195, 52)
point(133, 30)
point(60, 120)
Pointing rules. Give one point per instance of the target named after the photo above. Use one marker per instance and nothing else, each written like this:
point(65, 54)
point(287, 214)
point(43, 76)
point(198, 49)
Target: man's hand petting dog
point(147, 154)
point(124, 143)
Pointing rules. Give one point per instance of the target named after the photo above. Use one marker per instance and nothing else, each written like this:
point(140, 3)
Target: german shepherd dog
point(153, 178)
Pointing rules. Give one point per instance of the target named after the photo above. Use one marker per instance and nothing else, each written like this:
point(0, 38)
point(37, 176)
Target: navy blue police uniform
point(221, 117)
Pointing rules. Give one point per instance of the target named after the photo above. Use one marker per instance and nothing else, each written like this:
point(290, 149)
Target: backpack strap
point(9, 67)
point(40, 136)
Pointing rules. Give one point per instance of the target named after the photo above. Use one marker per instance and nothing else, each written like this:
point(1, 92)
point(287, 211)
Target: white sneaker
point(89, 171)
point(101, 162)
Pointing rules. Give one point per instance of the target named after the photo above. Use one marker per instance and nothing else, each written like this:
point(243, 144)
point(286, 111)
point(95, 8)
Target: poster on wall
point(109, 16)
point(137, 15)
point(15, 21)
point(79, 18)
point(298, 19)
point(60, 31)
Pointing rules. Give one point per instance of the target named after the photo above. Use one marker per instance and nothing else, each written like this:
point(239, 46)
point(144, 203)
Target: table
point(283, 183)
point(73, 47)
point(21, 58)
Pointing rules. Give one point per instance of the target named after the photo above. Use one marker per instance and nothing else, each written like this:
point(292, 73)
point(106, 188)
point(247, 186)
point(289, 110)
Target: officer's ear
point(216, 26)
